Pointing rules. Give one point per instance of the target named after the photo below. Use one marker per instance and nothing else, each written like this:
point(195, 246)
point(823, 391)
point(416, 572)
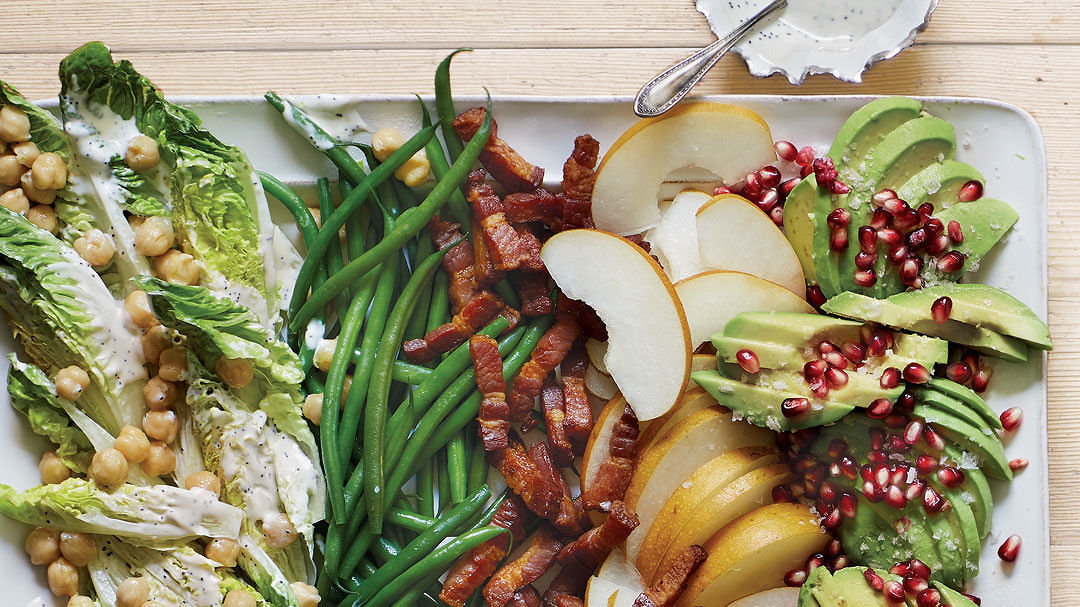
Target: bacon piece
point(613, 477)
point(525, 478)
point(587, 317)
point(476, 565)
point(549, 352)
point(480, 311)
point(484, 272)
point(504, 246)
point(666, 590)
point(533, 289)
point(579, 420)
point(525, 597)
point(494, 417)
point(580, 557)
point(525, 569)
point(551, 398)
point(458, 262)
point(570, 520)
point(538, 205)
point(579, 174)
point(573, 213)
point(501, 160)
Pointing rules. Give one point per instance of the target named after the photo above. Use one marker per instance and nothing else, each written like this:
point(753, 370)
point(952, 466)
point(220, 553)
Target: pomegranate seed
point(839, 187)
point(941, 309)
point(913, 585)
point(826, 346)
point(950, 477)
point(833, 519)
point(880, 219)
point(815, 369)
point(721, 189)
point(909, 270)
point(958, 372)
point(928, 598)
point(1018, 464)
point(824, 170)
point(840, 562)
point(879, 409)
point(805, 464)
point(972, 190)
point(931, 500)
point(787, 186)
point(896, 443)
point(972, 358)
point(834, 548)
point(836, 377)
point(972, 598)
point(895, 497)
point(871, 492)
point(1011, 418)
point(956, 233)
point(916, 239)
point(906, 220)
point(853, 351)
point(786, 150)
point(901, 525)
point(897, 254)
point(893, 591)
point(782, 493)
point(981, 379)
point(815, 296)
point(848, 505)
point(933, 226)
point(925, 210)
point(768, 200)
point(906, 401)
point(894, 206)
point(896, 420)
point(874, 579)
point(794, 578)
point(900, 569)
point(752, 184)
point(770, 176)
point(837, 447)
point(877, 438)
point(829, 493)
point(777, 214)
point(838, 218)
point(914, 490)
point(951, 262)
point(912, 432)
point(877, 346)
point(933, 439)
point(916, 374)
point(806, 170)
point(794, 407)
point(890, 378)
point(865, 278)
point(889, 236)
point(748, 360)
point(919, 569)
point(938, 244)
point(838, 240)
point(836, 359)
point(805, 156)
point(925, 464)
point(819, 387)
point(868, 239)
point(882, 196)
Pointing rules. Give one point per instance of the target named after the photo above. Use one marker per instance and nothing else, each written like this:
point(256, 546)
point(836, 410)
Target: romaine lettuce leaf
point(156, 516)
point(33, 395)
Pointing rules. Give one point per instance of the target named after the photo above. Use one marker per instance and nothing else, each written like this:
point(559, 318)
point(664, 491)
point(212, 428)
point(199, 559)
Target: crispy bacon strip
point(613, 477)
point(494, 417)
point(504, 246)
point(666, 590)
point(551, 399)
point(525, 478)
point(525, 569)
point(570, 520)
point(579, 174)
point(580, 557)
point(501, 160)
point(525, 597)
point(480, 311)
point(587, 318)
point(538, 205)
point(458, 262)
point(476, 565)
point(579, 420)
point(549, 352)
point(533, 289)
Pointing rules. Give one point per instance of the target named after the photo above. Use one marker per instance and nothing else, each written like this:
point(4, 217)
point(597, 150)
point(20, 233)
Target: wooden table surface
point(1027, 53)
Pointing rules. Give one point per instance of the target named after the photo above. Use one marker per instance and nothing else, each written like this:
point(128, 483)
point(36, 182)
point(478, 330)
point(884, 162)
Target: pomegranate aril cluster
point(832, 557)
point(969, 369)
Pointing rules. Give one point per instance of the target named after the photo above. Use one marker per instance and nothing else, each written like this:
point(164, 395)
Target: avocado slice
point(984, 222)
point(889, 313)
point(962, 519)
point(938, 184)
point(761, 406)
point(848, 588)
point(952, 406)
point(866, 127)
point(907, 348)
point(967, 396)
point(952, 597)
point(989, 449)
point(799, 224)
point(826, 261)
point(816, 577)
point(983, 306)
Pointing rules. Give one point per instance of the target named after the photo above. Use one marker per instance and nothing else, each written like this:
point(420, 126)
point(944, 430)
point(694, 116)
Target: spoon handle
point(665, 90)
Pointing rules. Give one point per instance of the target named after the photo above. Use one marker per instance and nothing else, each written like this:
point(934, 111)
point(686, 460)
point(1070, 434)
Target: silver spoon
point(669, 86)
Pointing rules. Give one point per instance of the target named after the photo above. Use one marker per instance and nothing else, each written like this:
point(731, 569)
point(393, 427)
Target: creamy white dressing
point(338, 118)
point(314, 334)
point(838, 19)
point(296, 480)
point(247, 458)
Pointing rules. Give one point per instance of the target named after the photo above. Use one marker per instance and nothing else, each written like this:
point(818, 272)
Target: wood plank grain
point(204, 25)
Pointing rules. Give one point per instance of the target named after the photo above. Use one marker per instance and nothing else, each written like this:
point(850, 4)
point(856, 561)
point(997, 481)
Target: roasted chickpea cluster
point(62, 554)
point(29, 178)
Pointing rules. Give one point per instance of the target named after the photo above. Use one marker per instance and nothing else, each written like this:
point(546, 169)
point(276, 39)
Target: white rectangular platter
point(1002, 141)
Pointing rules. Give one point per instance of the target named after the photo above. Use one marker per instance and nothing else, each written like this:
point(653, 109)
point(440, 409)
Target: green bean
point(424, 543)
point(444, 480)
point(478, 466)
point(406, 372)
point(293, 203)
point(410, 222)
point(418, 319)
point(408, 599)
point(305, 125)
point(456, 467)
point(334, 261)
point(444, 105)
point(328, 234)
point(438, 561)
point(439, 308)
point(385, 192)
point(385, 550)
point(356, 226)
point(506, 291)
point(425, 490)
point(459, 207)
point(409, 520)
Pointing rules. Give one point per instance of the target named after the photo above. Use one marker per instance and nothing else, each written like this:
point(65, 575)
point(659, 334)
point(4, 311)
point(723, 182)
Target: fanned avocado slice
point(761, 406)
point(989, 448)
point(955, 407)
point(866, 127)
point(938, 184)
point(967, 396)
point(984, 222)
point(815, 578)
point(907, 348)
point(964, 526)
point(848, 588)
point(799, 224)
point(826, 261)
point(918, 320)
point(952, 597)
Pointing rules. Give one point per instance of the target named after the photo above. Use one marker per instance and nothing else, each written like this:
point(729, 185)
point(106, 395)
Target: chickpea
point(134, 221)
point(63, 577)
point(132, 592)
point(14, 124)
point(27, 152)
point(324, 353)
point(10, 170)
point(279, 531)
point(44, 217)
point(43, 545)
point(95, 247)
point(223, 551)
point(158, 393)
point(79, 600)
point(154, 341)
point(313, 408)
point(239, 598)
point(154, 236)
point(70, 382)
point(236, 372)
point(52, 469)
point(161, 425)
point(78, 548)
point(49, 172)
point(415, 170)
point(204, 480)
point(108, 468)
point(137, 306)
point(162, 459)
point(132, 442)
point(173, 364)
point(306, 594)
point(177, 267)
point(34, 193)
point(142, 153)
point(15, 201)
point(385, 142)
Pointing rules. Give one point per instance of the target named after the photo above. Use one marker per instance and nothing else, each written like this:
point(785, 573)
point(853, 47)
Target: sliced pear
point(648, 352)
point(616, 584)
point(734, 234)
point(701, 362)
point(600, 385)
point(727, 140)
point(597, 350)
point(711, 299)
point(693, 400)
point(773, 597)
point(675, 240)
point(662, 468)
point(753, 552)
point(598, 448)
point(696, 490)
